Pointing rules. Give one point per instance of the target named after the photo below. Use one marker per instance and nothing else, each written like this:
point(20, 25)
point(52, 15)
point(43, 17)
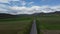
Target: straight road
point(33, 29)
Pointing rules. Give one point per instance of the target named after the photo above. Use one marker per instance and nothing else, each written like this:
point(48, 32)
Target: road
point(33, 29)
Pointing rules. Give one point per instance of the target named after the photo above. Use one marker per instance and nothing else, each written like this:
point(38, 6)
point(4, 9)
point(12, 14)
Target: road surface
point(33, 29)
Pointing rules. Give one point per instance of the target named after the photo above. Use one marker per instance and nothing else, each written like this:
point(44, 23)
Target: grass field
point(20, 25)
point(48, 23)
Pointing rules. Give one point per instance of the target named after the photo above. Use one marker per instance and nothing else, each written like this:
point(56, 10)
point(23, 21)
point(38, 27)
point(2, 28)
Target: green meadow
point(48, 23)
point(20, 25)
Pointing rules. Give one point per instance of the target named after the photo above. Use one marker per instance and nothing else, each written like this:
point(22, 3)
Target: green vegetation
point(48, 23)
point(22, 18)
point(20, 25)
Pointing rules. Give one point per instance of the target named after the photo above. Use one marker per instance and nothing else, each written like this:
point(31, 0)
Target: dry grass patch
point(50, 31)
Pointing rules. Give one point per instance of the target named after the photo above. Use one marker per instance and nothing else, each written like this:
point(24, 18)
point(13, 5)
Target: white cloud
point(4, 1)
point(27, 10)
point(30, 3)
point(7, 1)
point(3, 8)
point(34, 9)
point(23, 3)
point(13, 0)
point(22, 10)
point(56, 7)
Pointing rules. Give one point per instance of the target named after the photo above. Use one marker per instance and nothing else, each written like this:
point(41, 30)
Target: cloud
point(57, 8)
point(22, 10)
point(15, 10)
point(3, 8)
point(4, 1)
point(23, 3)
point(28, 10)
point(13, 0)
point(34, 9)
point(30, 3)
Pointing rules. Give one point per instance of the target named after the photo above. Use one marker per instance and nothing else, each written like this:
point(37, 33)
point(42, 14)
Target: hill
point(4, 15)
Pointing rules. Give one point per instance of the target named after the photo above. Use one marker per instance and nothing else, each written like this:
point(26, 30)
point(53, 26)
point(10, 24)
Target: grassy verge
point(37, 25)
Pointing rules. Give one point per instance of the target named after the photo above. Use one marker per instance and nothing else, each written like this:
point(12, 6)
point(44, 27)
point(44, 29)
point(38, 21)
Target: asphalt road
point(33, 29)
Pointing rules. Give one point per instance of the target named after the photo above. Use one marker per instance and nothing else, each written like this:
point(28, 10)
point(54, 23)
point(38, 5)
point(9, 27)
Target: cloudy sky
point(29, 6)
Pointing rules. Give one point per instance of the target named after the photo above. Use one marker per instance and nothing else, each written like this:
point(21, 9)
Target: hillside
point(4, 15)
point(48, 14)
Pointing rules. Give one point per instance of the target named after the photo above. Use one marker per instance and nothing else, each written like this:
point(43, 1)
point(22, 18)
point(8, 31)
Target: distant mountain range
point(56, 12)
point(4, 15)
